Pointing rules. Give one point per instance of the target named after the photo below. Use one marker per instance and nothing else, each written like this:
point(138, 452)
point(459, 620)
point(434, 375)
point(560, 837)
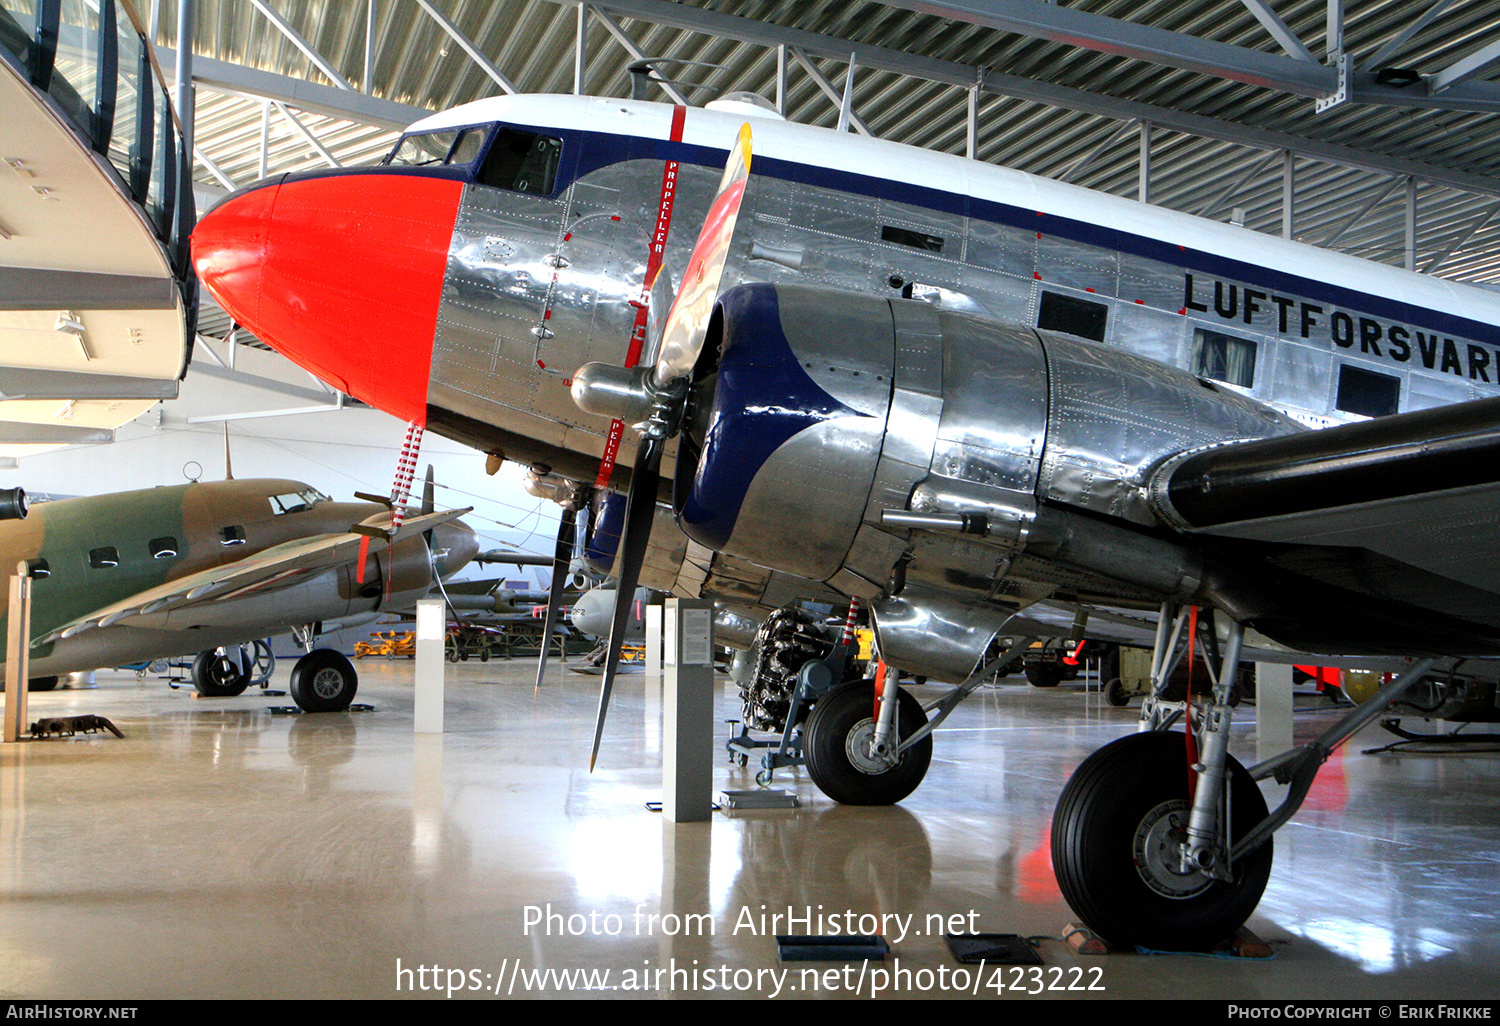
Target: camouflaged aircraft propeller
point(653, 398)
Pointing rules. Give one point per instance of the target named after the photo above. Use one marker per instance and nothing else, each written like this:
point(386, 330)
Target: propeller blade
point(687, 323)
point(429, 502)
point(640, 509)
point(562, 561)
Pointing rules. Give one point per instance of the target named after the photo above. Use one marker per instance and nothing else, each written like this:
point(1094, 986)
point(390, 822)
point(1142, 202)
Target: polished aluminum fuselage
point(962, 413)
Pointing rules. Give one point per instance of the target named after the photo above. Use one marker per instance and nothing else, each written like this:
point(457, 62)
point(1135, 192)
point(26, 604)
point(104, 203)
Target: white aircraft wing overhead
point(280, 566)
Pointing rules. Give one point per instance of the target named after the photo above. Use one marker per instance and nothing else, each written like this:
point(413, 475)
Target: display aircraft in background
point(989, 405)
point(209, 566)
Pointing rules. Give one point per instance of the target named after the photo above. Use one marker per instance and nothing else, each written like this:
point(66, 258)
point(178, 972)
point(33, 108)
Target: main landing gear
point(1150, 850)
point(323, 681)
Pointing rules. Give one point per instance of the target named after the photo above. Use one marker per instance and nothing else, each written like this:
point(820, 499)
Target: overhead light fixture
point(69, 323)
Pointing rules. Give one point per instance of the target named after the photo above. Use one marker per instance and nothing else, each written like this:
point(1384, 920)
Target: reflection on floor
point(222, 850)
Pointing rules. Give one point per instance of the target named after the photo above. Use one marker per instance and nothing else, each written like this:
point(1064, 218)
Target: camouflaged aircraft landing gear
point(1142, 862)
point(228, 670)
point(323, 680)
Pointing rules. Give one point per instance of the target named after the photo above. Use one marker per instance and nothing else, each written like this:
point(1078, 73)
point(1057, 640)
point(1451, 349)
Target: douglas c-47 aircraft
point(986, 404)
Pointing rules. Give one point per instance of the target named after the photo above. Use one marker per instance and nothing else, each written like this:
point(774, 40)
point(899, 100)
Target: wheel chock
point(1243, 944)
point(67, 726)
point(1085, 941)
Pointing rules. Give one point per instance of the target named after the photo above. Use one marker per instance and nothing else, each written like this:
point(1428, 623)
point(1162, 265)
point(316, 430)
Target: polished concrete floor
point(223, 850)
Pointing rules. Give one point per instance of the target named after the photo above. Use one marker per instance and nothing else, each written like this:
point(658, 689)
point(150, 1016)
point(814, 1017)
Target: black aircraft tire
point(219, 676)
point(833, 733)
point(41, 684)
point(1043, 675)
point(323, 681)
point(1113, 799)
point(1115, 693)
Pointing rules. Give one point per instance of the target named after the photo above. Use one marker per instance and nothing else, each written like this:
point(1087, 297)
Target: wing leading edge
point(1402, 511)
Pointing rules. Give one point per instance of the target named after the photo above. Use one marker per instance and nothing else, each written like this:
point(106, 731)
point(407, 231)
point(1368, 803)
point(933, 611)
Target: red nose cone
point(342, 275)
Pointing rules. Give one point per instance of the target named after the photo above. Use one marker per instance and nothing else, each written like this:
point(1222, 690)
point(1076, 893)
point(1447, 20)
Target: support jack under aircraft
point(208, 567)
point(986, 404)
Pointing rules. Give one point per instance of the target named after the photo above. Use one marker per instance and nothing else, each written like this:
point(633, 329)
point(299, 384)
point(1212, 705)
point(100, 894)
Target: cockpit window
point(423, 149)
point(296, 502)
point(466, 149)
point(454, 146)
point(522, 162)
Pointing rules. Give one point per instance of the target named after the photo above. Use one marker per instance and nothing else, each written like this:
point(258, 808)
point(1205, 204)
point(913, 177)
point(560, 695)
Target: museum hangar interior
point(1275, 213)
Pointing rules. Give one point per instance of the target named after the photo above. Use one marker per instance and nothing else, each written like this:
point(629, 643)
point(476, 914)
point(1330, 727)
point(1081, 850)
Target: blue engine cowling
point(780, 469)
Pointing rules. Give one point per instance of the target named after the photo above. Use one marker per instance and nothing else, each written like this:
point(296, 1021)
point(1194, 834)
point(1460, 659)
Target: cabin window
point(522, 162)
point(1367, 393)
point(907, 237)
point(232, 535)
point(1075, 316)
point(163, 548)
point(104, 557)
point(1224, 358)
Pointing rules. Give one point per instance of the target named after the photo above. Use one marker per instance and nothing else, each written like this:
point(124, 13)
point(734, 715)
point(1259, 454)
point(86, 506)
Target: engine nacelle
point(820, 411)
point(783, 469)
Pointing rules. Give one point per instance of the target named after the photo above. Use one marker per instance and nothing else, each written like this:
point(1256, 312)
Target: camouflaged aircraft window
point(522, 162)
point(1224, 358)
point(1073, 315)
point(163, 548)
point(423, 149)
point(104, 557)
point(232, 535)
point(1367, 393)
point(296, 502)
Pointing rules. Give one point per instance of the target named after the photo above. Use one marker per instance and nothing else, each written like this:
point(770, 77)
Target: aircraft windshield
point(454, 146)
point(296, 502)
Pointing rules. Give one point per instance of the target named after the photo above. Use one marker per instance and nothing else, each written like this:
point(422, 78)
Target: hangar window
point(1075, 316)
point(163, 548)
point(522, 162)
point(104, 557)
point(1366, 392)
point(1224, 358)
point(232, 535)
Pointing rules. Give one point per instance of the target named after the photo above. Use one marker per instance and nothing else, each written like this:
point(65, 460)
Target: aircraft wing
point(276, 567)
point(1402, 509)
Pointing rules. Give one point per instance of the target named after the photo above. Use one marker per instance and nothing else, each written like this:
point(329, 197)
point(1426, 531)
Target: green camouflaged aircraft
point(207, 567)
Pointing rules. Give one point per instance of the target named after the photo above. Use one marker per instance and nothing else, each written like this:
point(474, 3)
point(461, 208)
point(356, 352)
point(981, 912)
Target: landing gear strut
point(842, 758)
point(1146, 857)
